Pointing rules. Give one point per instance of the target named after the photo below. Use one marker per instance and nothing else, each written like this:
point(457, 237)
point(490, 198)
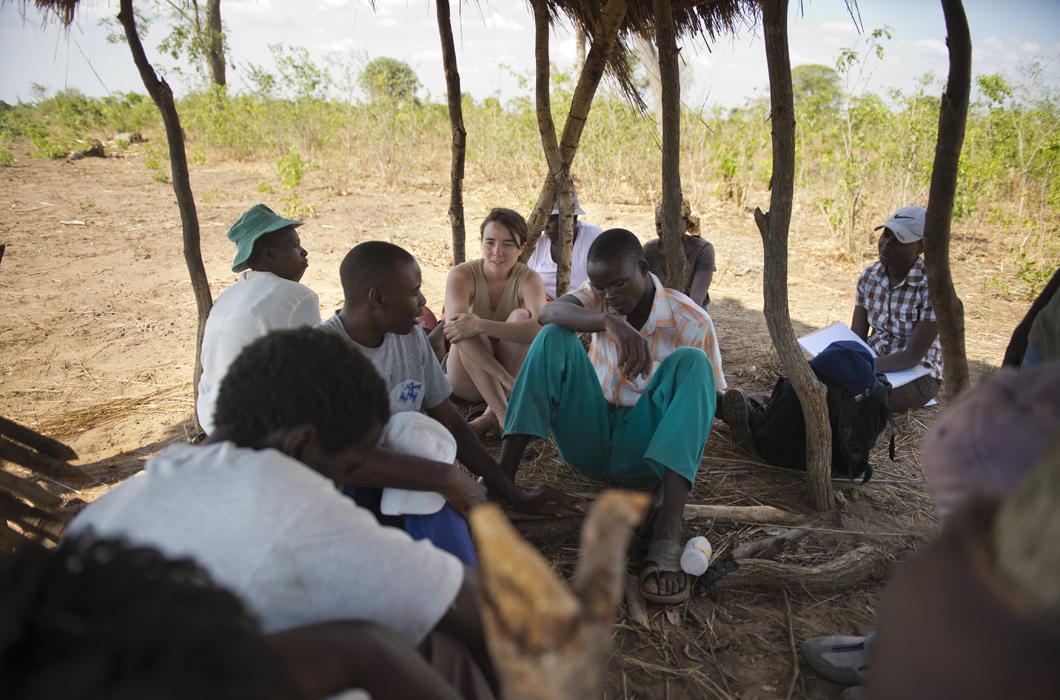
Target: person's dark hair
point(614, 245)
point(511, 220)
point(370, 264)
point(305, 375)
point(104, 619)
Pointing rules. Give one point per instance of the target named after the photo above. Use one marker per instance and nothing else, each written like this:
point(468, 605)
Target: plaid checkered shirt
point(894, 313)
point(675, 321)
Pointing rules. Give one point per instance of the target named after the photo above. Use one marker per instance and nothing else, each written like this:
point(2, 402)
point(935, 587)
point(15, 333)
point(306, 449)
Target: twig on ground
point(791, 641)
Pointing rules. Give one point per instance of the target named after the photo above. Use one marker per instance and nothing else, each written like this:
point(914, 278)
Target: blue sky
point(494, 39)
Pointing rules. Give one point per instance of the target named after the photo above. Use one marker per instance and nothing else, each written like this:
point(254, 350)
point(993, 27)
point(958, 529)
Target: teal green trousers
point(558, 392)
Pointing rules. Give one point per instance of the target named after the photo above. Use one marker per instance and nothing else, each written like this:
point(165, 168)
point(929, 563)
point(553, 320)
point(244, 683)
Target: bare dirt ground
point(97, 335)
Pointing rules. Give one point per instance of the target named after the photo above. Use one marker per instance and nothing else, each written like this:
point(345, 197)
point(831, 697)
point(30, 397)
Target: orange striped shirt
point(675, 322)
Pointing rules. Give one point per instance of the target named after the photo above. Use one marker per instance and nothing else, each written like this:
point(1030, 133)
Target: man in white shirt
point(546, 252)
point(259, 505)
point(266, 297)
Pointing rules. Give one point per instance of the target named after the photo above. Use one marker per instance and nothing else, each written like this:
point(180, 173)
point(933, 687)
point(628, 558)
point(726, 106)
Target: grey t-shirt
point(407, 365)
point(701, 258)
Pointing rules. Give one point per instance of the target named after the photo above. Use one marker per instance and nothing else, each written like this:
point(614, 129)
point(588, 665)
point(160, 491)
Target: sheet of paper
point(817, 341)
point(814, 343)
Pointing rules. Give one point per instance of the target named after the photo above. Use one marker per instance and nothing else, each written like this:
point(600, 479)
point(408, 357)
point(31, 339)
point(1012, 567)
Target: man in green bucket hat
point(267, 296)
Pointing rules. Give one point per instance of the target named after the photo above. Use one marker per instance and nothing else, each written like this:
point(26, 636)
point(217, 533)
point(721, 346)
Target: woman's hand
point(462, 326)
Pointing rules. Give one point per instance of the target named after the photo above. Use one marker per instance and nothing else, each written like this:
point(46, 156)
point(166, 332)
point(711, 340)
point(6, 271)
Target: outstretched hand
point(545, 500)
point(634, 356)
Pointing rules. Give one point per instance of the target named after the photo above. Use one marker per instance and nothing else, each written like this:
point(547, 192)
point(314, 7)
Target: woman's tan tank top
point(511, 298)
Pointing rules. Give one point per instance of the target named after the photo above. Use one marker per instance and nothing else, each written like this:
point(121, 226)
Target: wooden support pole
point(41, 463)
point(774, 229)
point(162, 95)
point(604, 39)
point(459, 134)
point(672, 254)
point(953, 116)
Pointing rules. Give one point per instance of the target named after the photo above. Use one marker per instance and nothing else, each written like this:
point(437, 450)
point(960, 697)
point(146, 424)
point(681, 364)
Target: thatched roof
point(693, 19)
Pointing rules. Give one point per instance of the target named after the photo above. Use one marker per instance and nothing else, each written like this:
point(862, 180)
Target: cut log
point(854, 567)
point(41, 464)
point(549, 640)
point(767, 515)
point(24, 488)
point(41, 443)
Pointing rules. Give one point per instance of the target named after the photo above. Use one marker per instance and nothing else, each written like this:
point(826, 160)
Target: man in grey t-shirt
point(382, 301)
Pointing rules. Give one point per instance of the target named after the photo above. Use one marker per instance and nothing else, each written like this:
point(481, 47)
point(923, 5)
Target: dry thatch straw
point(80, 420)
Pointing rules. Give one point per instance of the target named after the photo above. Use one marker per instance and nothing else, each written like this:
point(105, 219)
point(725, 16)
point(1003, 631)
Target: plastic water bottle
point(696, 557)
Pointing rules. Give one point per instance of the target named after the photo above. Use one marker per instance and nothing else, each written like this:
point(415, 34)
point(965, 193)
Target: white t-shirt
point(281, 537)
point(541, 260)
point(257, 303)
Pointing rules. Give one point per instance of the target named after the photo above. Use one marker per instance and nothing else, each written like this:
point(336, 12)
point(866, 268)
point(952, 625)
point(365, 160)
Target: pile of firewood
point(28, 508)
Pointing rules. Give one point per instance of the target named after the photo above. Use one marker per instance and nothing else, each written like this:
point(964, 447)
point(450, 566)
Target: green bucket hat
point(255, 223)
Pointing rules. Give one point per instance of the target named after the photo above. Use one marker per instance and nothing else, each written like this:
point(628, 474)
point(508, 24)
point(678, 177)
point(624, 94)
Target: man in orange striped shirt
point(639, 407)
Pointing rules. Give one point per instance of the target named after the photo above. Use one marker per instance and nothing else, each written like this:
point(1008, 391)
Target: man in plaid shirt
point(638, 409)
point(892, 300)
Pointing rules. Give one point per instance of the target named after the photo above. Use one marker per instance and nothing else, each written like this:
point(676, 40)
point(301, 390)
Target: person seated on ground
point(772, 426)
point(978, 450)
point(102, 618)
point(381, 287)
point(1037, 337)
point(266, 297)
point(892, 300)
point(636, 409)
point(547, 250)
point(491, 310)
point(698, 252)
point(258, 506)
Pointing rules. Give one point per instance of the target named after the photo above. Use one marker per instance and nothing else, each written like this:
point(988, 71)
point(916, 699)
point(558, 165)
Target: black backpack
point(857, 413)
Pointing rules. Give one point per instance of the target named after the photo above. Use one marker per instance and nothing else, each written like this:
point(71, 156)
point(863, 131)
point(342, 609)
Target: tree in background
point(195, 35)
point(389, 80)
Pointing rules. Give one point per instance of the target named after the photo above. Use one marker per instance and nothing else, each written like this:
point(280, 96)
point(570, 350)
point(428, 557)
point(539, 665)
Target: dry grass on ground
point(97, 326)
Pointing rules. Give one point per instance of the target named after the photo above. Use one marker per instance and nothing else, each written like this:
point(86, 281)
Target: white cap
point(412, 433)
point(577, 205)
point(907, 224)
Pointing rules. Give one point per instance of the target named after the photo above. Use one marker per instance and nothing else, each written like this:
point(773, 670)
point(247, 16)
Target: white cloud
point(843, 28)
point(933, 46)
point(503, 24)
point(1029, 47)
point(993, 43)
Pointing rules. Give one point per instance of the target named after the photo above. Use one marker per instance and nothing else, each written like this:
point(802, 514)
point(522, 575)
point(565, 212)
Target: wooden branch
point(768, 547)
point(766, 515)
point(162, 96)
point(953, 116)
point(41, 443)
point(24, 488)
point(611, 17)
point(547, 641)
point(459, 134)
point(557, 169)
point(215, 50)
point(28, 518)
point(774, 229)
point(672, 253)
point(41, 464)
point(858, 565)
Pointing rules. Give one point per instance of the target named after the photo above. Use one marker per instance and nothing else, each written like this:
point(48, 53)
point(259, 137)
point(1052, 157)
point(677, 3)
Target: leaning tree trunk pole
point(456, 124)
point(557, 169)
point(604, 39)
point(774, 229)
point(953, 114)
point(550, 640)
point(215, 50)
point(672, 253)
point(162, 95)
